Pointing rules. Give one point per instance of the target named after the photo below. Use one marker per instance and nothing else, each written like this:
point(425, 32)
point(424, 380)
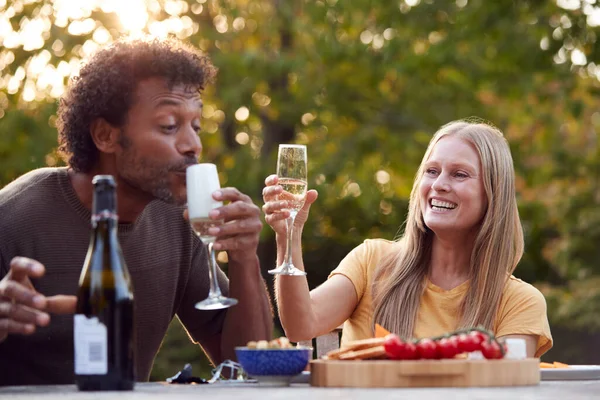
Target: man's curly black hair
point(106, 84)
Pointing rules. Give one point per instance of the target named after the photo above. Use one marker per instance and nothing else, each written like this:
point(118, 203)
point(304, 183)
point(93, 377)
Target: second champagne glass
point(292, 177)
point(202, 180)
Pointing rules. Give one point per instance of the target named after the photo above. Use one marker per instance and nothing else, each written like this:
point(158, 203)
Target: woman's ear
point(104, 135)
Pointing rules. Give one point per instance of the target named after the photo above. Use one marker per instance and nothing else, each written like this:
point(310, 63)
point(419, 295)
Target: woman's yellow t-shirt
point(522, 308)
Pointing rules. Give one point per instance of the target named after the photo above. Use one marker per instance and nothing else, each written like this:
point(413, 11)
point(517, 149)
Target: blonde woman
point(452, 267)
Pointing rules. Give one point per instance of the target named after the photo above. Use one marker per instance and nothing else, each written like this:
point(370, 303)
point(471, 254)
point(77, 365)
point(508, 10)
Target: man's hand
point(22, 308)
point(239, 235)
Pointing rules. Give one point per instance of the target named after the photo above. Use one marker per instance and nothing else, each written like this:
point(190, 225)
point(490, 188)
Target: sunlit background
point(42, 76)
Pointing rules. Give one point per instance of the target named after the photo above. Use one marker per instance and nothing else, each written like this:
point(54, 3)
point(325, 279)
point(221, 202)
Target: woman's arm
point(304, 314)
point(530, 342)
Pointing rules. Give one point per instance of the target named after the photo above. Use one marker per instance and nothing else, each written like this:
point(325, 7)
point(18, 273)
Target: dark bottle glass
point(103, 325)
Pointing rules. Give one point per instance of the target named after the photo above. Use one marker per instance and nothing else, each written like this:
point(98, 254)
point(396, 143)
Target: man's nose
point(189, 144)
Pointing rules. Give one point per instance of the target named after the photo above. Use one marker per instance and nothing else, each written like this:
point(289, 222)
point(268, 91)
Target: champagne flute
point(292, 177)
point(202, 180)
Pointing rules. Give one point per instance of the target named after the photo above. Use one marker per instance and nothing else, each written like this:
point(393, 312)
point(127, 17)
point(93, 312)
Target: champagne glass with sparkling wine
point(292, 177)
point(202, 181)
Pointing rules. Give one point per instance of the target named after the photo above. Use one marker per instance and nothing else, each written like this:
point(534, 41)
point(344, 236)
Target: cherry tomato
point(394, 347)
point(426, 348)
point(454, 340)
point(467, 343)
point(491, 350)
point(479, 337)
point(448, 347)
point(410, 351)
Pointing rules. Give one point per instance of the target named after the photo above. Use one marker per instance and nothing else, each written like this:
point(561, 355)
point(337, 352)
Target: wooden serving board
point(424, 373)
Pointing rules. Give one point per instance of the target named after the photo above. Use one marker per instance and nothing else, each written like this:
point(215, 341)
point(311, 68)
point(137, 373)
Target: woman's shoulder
point(366, 255)
point(378, 243)
point(375, 248)
point(517, 290)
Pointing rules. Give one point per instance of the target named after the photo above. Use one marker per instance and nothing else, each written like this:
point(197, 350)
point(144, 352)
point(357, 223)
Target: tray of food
point(463, 358)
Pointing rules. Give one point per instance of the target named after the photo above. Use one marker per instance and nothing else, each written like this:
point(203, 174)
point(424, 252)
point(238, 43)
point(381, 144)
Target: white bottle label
point(90, 346)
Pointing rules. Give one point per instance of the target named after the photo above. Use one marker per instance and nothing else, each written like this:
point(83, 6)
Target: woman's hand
point(275, 207)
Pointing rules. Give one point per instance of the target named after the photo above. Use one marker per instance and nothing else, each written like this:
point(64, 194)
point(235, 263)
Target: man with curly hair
point(134, 113)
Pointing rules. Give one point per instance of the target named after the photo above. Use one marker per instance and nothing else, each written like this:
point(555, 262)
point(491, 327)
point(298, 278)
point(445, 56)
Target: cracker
point(353, 347)
point(364, 354)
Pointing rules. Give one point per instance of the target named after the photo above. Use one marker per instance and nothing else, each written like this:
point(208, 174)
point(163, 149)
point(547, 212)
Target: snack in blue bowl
point(275, 361)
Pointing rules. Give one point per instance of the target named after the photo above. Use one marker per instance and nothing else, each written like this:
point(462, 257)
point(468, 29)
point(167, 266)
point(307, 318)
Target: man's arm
point(243, 322)
point(252, 317)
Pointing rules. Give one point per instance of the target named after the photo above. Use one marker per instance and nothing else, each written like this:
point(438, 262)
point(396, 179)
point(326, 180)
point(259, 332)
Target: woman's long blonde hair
point(399, 279)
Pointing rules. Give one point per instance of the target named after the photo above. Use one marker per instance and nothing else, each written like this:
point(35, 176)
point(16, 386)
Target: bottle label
point(90, 346)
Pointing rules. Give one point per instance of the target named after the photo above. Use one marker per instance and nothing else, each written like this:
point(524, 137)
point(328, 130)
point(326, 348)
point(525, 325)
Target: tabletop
point(226, 390)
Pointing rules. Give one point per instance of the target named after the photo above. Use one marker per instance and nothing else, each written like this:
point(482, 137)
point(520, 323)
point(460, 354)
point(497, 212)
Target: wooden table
point(241, 391)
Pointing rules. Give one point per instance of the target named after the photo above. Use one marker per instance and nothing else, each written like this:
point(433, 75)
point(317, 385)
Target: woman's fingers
point(275, 206)
point(271, 180)
point(277, 217)
point(271, 193)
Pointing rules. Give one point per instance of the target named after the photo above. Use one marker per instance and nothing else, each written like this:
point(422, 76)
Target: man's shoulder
point(34, 184)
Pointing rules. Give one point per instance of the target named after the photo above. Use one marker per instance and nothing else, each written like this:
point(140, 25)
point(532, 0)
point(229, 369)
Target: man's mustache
point(184, 164)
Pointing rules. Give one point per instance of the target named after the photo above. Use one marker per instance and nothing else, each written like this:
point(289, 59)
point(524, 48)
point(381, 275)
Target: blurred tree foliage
point(364, 84)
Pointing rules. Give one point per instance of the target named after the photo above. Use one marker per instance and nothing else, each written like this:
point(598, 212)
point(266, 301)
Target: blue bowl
point(270, 362)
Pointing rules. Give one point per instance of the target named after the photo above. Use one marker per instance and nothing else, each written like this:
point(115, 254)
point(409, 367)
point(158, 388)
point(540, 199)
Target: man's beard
point(151, 178)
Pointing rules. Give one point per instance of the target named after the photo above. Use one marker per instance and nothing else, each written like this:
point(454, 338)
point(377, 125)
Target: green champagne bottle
point(103, 322)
